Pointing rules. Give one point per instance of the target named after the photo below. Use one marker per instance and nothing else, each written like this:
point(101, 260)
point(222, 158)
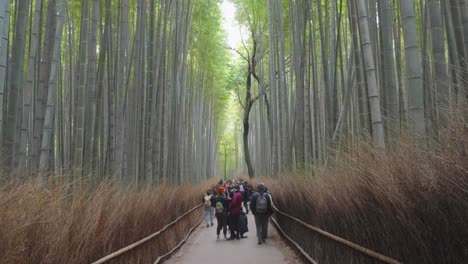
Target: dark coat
point(213, 201)
point(243, 223)
point(253, 202)
point(224, 201)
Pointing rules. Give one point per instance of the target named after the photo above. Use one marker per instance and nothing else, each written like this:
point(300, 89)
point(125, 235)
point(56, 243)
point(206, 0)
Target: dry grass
point(40, 223)
point(407, 204)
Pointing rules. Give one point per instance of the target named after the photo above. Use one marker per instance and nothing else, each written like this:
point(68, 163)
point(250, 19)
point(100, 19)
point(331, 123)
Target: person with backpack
point(235, 207)
point(270, 213)
point(208, 201)
point(261, 209)
point(228, 192)
point(213, 201)
point(247, 193)
point(221, 212)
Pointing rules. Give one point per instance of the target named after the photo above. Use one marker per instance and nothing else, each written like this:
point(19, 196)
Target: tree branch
point(239, 98)
point(238, 52)
point(267, 103)
point(260, 95)
point(243, 44)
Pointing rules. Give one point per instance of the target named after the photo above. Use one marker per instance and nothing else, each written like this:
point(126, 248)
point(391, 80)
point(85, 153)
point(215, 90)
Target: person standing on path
point(268, 193)
point(260, 206)
point(213, 202)
point(246, 190)
point(235, 207)
point(221, 209)
point(208, 201)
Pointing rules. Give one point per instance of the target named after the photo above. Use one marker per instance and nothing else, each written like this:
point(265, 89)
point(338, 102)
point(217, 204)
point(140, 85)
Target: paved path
point(203, 248)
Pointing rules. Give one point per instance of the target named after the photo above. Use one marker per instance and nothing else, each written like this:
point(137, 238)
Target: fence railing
point(335, 238)
point(152, 236)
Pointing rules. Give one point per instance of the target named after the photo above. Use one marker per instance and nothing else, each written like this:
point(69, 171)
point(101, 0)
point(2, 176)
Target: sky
point(234, 40)
point(230, 25)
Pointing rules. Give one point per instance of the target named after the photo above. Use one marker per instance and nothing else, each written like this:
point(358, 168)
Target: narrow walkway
point(203, 247)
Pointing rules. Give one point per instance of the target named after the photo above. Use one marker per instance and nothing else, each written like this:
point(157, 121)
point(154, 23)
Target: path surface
point(203, 247)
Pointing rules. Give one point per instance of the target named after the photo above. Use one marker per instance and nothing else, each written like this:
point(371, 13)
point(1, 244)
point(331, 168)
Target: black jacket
point(213, 201)
point(224, 201)
point(253, 202)
point(243, 223)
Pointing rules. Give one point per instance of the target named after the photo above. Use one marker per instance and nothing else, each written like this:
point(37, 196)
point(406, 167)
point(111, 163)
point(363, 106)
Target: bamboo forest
point(119, 117)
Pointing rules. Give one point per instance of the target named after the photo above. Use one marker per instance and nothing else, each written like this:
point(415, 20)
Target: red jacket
point(235, 205)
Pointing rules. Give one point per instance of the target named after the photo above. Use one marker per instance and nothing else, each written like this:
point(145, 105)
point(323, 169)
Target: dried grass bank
point(407, 204)
point(42, 223)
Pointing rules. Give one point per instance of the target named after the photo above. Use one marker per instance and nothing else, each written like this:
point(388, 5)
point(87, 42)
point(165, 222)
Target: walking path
point(203, 247)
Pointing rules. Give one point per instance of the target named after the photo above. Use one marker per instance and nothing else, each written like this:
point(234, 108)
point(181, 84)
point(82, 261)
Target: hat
point(261, 187)
point(220, 190)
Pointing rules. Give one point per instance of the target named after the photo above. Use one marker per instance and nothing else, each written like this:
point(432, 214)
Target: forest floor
point(203, 247)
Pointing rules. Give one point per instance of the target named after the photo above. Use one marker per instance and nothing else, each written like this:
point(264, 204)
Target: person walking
point(261, 209)
point(213, 202)
point(235, 207)
point(208, 201)
point(246, 191)
point(270, 213)
point(221, 212)
point(228, 192)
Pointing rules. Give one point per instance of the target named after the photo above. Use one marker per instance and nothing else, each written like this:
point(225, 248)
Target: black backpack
point(262, 204)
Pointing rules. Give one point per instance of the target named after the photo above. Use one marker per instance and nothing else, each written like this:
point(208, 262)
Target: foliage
point(207, 48)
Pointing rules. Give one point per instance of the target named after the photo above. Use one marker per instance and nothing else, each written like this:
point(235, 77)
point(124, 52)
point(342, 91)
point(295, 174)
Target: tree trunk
point(389, 74)
point(373, 90)
point(81, 88)
point(28, 90)
point(413, 69)
point(4, 37)
point(47, 143)
point(89, 102)
point(15, 81)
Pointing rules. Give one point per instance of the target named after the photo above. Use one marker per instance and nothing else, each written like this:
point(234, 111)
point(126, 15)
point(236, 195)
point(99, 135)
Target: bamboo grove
point(333, 73)
point(121, 89)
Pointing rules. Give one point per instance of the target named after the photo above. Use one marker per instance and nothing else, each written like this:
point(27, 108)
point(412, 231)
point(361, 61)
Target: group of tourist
point(229, 201)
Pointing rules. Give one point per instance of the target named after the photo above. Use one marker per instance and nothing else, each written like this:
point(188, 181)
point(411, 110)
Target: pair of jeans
point(261, 223)
point(222, 223)
point(234, 225)
point(208, 216)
